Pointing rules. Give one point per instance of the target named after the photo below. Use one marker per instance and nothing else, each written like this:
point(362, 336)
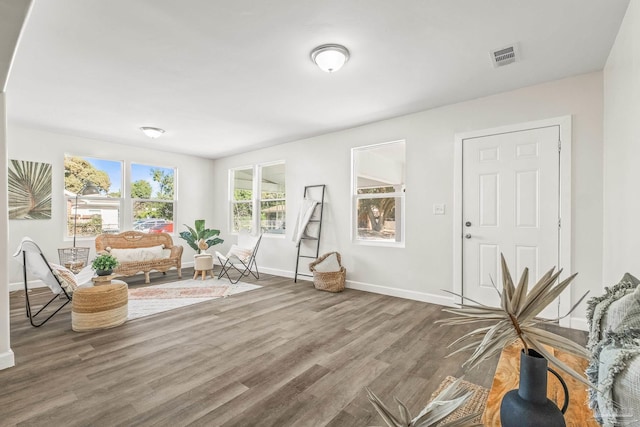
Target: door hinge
point(559, 222)
point(559, 145)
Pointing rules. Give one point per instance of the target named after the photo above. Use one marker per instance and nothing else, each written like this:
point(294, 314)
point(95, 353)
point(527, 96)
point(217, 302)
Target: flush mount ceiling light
point(152, 132)
point(330, 57)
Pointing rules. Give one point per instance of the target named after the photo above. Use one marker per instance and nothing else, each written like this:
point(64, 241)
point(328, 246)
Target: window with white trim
point(258, 198)
point(153, 198)
point(242, 199)
point(96, 213)
point(378, 191)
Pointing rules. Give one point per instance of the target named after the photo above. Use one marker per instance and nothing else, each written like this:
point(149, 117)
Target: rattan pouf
point(100, 307)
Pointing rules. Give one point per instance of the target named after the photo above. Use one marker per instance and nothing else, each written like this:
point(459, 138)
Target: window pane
point(380, 169)
point(152, 182)
point(273, 216)
point(153, 217)
point(242, 184)
point(104, 174)
point(92, 216)
point(379, 185)
point(272, 185)
point(96, 185)
point(242, 216)
point(377, 219)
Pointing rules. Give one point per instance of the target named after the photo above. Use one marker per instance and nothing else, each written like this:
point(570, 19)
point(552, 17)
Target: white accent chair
point(59, 279)
point(240, 259)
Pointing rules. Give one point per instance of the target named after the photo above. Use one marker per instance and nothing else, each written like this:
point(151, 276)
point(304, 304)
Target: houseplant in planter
point(199, 237)
point(104, 264)
point(515, 321)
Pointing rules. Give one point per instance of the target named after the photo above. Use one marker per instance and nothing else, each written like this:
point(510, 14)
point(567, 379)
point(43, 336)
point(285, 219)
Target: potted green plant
point(199, 237)
point(104, 264)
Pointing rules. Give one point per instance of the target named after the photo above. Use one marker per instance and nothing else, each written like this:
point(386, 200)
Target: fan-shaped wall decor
point(29, 190)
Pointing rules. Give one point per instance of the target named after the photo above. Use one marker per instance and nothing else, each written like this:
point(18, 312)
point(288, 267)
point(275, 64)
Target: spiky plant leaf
point(447, 401)
point(405, 416)
point(515, 320)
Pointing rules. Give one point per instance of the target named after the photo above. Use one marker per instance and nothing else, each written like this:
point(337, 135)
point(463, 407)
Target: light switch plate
point(438, 209)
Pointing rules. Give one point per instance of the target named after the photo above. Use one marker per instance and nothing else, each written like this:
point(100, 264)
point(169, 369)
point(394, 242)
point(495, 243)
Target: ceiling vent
point(504, 56)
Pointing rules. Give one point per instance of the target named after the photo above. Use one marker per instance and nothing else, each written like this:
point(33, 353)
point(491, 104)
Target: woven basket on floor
point(332, 281)
point(99, 307)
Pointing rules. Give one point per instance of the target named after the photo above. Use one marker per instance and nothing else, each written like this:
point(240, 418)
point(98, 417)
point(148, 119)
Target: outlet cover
point(438, 209)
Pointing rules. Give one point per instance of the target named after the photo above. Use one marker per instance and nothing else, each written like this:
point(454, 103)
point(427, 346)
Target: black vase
point(528, 406)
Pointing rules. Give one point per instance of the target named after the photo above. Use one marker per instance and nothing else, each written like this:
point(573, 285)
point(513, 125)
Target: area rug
point(148, 300)
point(475, 404)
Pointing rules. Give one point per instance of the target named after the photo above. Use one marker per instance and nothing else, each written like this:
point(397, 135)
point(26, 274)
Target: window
point(378, 193)
point(258, 198)
point(96, 213)
point(153, 198)
point(273, 207)
point(242, 200)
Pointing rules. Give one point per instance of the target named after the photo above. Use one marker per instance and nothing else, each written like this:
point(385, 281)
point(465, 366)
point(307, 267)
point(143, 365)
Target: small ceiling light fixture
point(152, 132)
point(330, 57)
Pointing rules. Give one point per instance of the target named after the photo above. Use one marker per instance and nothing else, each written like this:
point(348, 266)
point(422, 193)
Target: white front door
point(510, 205)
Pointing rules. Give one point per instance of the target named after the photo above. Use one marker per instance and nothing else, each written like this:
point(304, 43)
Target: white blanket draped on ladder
point(305, 214)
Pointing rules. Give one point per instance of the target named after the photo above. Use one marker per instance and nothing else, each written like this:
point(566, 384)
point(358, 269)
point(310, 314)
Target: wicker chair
point(135, 240)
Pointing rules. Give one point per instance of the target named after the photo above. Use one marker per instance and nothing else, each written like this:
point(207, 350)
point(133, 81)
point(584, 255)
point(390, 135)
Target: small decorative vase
point(104, 272)
point(528, 406)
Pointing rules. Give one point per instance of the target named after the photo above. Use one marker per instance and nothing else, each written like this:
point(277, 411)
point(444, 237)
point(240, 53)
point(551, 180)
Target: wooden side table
point(102, 280)
point(506, 379)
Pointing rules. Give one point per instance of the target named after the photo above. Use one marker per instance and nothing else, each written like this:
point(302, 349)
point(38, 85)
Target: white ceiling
point(223, 77)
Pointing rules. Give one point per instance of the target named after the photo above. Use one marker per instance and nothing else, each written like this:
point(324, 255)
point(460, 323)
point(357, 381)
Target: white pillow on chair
point(242, 254)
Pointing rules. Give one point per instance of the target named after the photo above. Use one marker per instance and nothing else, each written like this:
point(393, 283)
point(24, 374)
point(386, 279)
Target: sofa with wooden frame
point(141, 252)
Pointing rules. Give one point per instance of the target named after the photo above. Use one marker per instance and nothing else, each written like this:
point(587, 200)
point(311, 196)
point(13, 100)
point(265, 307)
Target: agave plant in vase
point(445, 403)
point(515, 320)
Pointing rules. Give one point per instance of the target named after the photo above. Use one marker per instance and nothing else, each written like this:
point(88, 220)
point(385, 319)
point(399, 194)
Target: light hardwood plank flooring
point(281, 355)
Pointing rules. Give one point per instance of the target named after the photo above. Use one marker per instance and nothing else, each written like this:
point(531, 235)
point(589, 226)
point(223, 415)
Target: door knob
point(468, 224)
point(467, 236)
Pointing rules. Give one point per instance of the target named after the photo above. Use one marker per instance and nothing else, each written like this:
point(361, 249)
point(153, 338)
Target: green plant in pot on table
point(515, 321)
point(104, 264)
point(199, 237)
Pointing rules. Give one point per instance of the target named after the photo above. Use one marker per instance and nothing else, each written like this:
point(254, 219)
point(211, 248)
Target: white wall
point(622, 152)
point(193, 178)
point(6, 355)
point(424, 266)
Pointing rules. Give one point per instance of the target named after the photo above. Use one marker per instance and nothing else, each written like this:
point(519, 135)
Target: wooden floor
point(281, 355)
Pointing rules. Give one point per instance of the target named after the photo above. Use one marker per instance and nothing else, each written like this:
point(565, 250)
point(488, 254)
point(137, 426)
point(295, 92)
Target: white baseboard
point(579, 323)
point(283, 273)
point(376, 289)
point(7, 360)
point(402, 293)
point(31, 284)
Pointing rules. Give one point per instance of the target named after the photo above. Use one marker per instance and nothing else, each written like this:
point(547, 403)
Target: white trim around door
point(564, 250)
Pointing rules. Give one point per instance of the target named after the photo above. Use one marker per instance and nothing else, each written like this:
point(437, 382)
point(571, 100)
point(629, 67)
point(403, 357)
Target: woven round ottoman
point(100, 307)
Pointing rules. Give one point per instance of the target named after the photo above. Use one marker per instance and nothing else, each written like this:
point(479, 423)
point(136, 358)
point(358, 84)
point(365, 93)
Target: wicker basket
point(332, 281)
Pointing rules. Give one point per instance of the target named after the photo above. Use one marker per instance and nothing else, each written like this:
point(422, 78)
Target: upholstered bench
point(100, 307)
